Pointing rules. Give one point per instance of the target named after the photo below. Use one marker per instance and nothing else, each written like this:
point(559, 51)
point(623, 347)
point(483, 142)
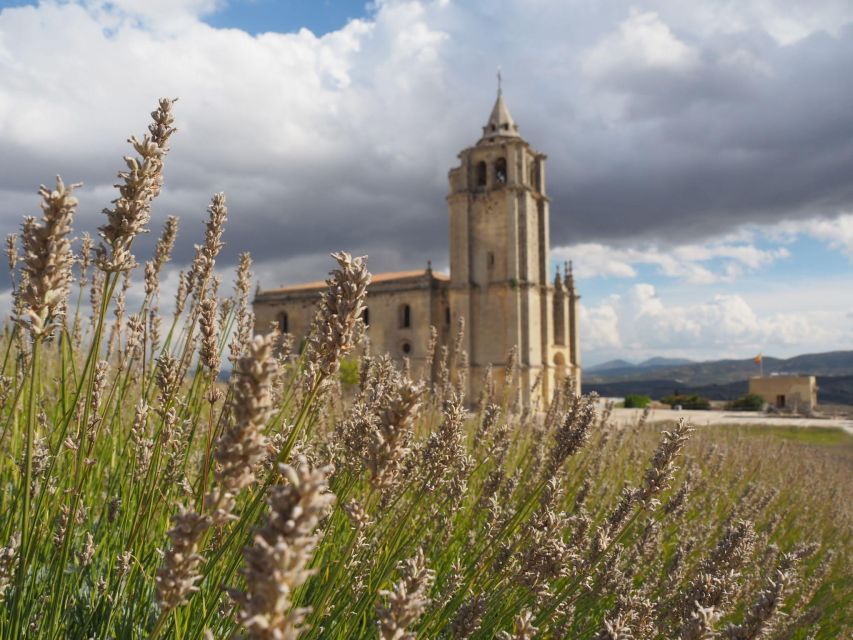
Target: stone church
point(499, 276)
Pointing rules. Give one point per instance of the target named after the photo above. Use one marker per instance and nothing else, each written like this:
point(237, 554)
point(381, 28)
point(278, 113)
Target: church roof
point(500, 124)
point(376, 278)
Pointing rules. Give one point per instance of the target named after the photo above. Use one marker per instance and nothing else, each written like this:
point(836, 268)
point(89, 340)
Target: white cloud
point(641, 41)
point(600, 326)
point(836, 232)
point(642, 323)
point(686, 262)
point(167, 16)
point(787, 21)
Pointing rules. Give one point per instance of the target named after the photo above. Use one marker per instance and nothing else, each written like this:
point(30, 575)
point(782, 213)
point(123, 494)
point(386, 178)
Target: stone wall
point(425, 295)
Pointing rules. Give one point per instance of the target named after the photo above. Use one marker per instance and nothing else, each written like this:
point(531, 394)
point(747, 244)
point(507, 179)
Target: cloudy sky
point(700, 153)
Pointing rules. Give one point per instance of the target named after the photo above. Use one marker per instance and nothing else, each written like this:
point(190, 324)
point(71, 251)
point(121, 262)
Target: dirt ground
point(700, 418)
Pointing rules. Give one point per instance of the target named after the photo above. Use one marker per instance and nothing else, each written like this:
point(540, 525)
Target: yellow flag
point(757, 359)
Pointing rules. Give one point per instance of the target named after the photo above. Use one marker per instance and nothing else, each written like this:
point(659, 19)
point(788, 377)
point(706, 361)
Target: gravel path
point(700, 418)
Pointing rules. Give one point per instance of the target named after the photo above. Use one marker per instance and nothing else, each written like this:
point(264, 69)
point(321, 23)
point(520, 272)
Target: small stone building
point(795, 393)
point(498, 282)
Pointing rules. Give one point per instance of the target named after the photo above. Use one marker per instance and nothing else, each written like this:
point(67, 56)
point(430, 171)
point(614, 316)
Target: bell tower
point(499, 256)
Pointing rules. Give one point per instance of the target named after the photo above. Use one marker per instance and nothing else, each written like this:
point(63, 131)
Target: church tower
point(500, 279)
point(500, 263)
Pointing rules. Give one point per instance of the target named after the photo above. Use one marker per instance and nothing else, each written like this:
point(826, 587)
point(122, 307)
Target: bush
point(636, 401)
point(349, 372)
point(749, 402)
point(688, 402)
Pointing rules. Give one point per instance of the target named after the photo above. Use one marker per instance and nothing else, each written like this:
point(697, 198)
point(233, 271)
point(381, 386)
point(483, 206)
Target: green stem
point(28, 477)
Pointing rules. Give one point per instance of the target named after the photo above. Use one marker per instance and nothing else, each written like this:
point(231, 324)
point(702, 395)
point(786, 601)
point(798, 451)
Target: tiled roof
point(376, 278)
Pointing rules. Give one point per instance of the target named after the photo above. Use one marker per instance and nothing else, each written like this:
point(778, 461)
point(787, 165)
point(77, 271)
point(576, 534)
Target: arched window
point(406, 347)
point(500, 170)
point(481, 174)
point(405, 316)
point(560, 366)
point(365, 316)
point(447, 316)
point(283, 323)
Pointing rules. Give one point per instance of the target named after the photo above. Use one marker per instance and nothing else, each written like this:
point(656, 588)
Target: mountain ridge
point(711, 372)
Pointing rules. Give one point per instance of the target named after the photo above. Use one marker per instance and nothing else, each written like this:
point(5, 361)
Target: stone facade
point(499, 275)
point(795, 393)
point(401, 308)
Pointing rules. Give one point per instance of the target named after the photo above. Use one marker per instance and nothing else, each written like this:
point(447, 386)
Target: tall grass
point(141, 497)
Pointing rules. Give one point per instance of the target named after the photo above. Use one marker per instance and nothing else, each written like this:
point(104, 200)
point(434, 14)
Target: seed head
point(244, 318)
point(243, 446)
point(572, 433)
point(140, 184)
point(209, 349)
point(277, 562)
point(176, 578)
point(407, 601)
point(340, 308)
point(43, 294)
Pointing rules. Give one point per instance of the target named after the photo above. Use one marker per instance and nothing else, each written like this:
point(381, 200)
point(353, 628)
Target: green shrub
point(749, 402)
point(349, 371)
point(636, 401)
point(687, 402)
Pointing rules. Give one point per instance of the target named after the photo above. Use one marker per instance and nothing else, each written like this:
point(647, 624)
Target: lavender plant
point(141, 496)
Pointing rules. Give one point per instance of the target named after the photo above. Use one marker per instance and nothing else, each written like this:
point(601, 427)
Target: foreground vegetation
point(140, 497)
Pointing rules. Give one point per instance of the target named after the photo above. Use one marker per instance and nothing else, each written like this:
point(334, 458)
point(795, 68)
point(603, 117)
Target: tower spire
point(569, 276)
point(500, 124)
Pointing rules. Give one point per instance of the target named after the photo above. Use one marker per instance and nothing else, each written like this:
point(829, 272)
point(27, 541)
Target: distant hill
point(831, 389)
point(622, 367)
point(721, 379)
point(611, 365)
point(722, 372)
point(664, 362)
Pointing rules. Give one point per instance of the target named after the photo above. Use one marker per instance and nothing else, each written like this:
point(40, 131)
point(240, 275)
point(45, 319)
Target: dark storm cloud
point(707, 149)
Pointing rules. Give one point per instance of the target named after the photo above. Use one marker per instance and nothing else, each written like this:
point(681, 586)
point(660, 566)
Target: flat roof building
point(795, 393)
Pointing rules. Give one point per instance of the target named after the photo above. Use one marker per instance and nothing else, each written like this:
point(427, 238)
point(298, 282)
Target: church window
point(500, 171)
point(365, 316)
point(481, 174)
point(559, 367)
point(283, 323)
point(405, 316)
point(407, 348)
point(490, 259)
point(447, 316)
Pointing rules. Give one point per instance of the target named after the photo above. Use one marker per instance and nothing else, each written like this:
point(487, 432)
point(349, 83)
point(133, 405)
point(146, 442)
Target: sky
point(700, 155)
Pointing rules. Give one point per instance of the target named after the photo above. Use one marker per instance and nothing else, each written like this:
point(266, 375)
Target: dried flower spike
point(340, 308)
point(276, 564)
point(140, 184)
point(48, 259)
point(407, 601)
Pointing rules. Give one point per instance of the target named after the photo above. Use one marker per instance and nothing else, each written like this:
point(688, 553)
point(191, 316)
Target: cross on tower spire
point(500, 124)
